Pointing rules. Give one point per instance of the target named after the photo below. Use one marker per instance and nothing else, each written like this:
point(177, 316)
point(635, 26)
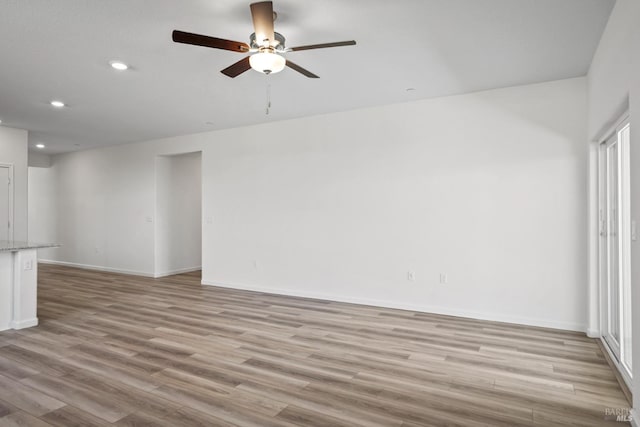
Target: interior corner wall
point(178, 236)
point(43, 212)
point(487, 188)
point(613, 86)
point(13, 150)
point(39, 160)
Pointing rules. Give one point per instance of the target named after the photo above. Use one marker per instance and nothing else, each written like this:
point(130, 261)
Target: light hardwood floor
point(122, 350)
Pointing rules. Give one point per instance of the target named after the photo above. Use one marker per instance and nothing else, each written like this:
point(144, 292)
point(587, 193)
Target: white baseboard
point(567, 326)
point(178, 271)
point(635, 418)
point(118, 270)
point(28, 323)
point(353, 300)
point(96, 268)
point(593, 333)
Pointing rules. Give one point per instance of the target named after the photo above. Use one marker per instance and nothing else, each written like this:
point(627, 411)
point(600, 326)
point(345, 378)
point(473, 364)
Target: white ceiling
point(61, 50)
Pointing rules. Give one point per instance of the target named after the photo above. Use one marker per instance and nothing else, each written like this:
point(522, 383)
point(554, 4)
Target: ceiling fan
point(266, 47)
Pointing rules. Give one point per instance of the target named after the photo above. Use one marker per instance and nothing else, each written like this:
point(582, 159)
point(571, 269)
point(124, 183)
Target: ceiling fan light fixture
point(267, 62)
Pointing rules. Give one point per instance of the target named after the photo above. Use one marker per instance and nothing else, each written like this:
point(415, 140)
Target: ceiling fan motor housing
point(277, 44)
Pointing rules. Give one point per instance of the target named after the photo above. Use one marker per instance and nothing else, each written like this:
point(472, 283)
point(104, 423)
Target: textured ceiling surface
point(61, 50)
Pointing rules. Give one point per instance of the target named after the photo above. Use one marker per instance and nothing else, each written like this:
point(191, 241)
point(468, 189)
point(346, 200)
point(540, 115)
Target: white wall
point(487, 187)
point(178, 238)
point(13, 150)
point(614, 85)
point(43, 213)
point(103, 199)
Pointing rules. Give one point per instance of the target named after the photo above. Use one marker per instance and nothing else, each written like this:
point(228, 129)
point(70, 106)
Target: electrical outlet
point(28, 264)
point(411, 276)
point(443, 278)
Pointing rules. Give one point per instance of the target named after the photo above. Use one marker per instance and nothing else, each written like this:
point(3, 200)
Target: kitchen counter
point(18, 245)
point(19, 283)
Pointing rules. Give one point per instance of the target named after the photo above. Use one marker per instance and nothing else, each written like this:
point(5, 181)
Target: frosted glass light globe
point(267, 62)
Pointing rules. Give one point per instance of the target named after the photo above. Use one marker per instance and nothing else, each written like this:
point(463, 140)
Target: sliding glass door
point(609, 230)
point(615, 245)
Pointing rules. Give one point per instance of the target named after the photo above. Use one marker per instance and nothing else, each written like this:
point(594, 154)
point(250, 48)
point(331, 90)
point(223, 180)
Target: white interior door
point(5, 203)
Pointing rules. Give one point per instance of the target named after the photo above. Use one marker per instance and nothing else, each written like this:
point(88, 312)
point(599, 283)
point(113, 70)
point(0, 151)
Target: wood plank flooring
point(122, 350)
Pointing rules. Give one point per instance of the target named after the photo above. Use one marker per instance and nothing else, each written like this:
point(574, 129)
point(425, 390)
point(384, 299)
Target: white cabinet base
point(18, 289)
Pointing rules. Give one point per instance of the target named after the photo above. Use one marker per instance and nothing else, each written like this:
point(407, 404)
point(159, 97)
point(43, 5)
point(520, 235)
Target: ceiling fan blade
point(262, 14)
point(322, 45)
point(206, 41)
point(238, 68)
point(301, 70)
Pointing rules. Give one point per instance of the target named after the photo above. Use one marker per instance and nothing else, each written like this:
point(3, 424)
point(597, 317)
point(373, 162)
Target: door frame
point(160, 215)
point(11, 227)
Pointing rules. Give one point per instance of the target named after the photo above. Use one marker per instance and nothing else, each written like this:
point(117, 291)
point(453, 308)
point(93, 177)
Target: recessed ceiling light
point(57, 104)
point(39, 145)
point(118, 65)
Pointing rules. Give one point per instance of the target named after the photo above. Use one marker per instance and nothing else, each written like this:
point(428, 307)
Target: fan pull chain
point(268, 98)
